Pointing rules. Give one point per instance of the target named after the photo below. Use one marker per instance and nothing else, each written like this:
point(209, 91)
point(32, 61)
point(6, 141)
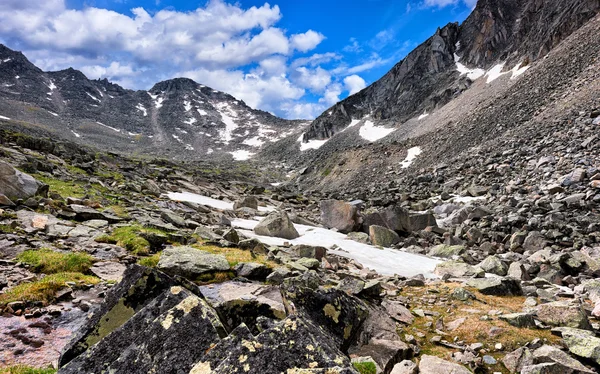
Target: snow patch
point(372, 133)
point(7, 59)
point(177, 138)
point(76, 134)
point(141, 108)
point(157, 100)
point(253, 142)
point(424, 115)
point(189, 147)
point(276, 184)
point(495, 73)
point(54, 114)
point(112, 128)
point(353, 123)
point(187, 105)
point(412, 153)
point(227, 117)
point(518, 70)
point(311, 144)
point(93, 97)
point(209, 151)
point(202, 112)
point(17, 76)
point(241, 155)
point(5, 118)
point(472, 74)
point(190, 121)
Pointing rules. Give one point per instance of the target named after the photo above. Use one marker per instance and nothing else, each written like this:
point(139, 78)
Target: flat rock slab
point(190, 262)
point(109, 271)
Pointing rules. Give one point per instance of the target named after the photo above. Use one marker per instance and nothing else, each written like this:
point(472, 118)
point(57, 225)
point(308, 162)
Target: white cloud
point(353, 47)
point(113, 71)
point(445, 3)
point(303, 110)
point(314, 79)
point(332, 94)
point(307, 41)
point(354, 83)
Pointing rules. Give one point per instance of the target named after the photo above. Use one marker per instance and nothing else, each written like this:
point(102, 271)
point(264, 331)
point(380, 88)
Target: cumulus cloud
point(445, 3)
point(113, 71)
point(354, 83)
point(314, 79)
point(307, 41)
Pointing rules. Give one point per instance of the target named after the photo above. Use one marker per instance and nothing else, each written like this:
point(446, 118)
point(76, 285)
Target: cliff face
point(497, 31)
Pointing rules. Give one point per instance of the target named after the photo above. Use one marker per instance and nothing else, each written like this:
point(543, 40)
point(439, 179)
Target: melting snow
point(93, 97)
point(141, 108)
point(423, 116)
point(312, 144)
point(518, 70)
point(385, 261)
point(495, 73)
point(253, 142)
point(241, 155)
point(54, 114)
point(209, 151)
point(157, 100)
point(187, 105)
point(189, 147)
point(372, 133)
point(227, 116)
point(6, 118)
point(473, 74)
point(412, 153)
point(353, 123)
point(6, 60)
point(76, 134)
point(112, 128)
point(177, 138)
point(202, 112)
point(17, 76)
point(276, 184)
point(190, 121)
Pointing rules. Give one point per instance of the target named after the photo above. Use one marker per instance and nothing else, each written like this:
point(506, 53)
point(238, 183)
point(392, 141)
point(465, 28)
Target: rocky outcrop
point(15, 185)
point(339, 215)
point(277, 224)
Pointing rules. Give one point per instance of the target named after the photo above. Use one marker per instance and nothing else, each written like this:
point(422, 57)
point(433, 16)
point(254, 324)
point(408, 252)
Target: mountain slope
point(177, 118)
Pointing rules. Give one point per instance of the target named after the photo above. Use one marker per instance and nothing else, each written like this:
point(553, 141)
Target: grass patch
point(44, 289)
point(215, 277)
point(365, 367)
point(150, 261)
point(50, 262)
point(129, 238)
point(63, 188)
point(235, 255)
point(20, 369)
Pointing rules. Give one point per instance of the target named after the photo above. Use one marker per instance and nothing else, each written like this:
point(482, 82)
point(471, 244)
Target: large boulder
point(447, 251)
point(383, 236)
point(458, 269)
point(190, 262)
point(566, 363)
point(17, 185)
point(563, 313)
point(277, 224)
point(497, 286)
point(340, 215)
point(581, 343)
point(399, 219)
point(246, 202)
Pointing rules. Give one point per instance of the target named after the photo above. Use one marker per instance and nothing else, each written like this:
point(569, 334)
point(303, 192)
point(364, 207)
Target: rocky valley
point(445, 219)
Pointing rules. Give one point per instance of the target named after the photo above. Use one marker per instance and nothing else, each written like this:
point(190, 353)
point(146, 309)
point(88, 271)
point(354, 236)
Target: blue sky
point(293, 58)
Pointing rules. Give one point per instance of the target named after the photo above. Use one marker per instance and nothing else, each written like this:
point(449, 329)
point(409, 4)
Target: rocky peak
point(175, 84)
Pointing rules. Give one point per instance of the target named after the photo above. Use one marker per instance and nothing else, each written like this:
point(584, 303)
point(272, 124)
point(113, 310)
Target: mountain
point(177, 118)
point(505, 67)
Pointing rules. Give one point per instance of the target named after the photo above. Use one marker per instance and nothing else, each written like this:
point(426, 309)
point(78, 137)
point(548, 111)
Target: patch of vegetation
point(44, 289)
point(129, 238)
point(8, 229)
point(8, 215)
point(150, 261)
point(119, 211)
point(75, 169)
point(109, 174)
point(326, 172)
point(365, 367)
point(215, 277)
point(63, 188)
point(51, 262)
point(26, 370)
point(235, 255)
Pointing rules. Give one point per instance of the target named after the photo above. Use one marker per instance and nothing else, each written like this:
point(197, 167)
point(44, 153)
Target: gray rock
point(447, 251)
point(252, 270)
point(458, 269)
point(497, 286)
point(383, 236)
point(173, 218)
point(360, 237)
point(405, 367)
point(518, 359)
point(340, 215)
point(523, 320)
point(151, 187)
point(547, 368)
point(278, 275)
point(568, 365)
point(15, 185)
point(277, 224)
point(246, 202)
point(309, 251)
point(84, 213)
point(563, 313)
point(494, 265)
point(462, 294)
point(435, 365)
point(109, 271)
point(190, 262)
point(207, 234)
point(582, 343)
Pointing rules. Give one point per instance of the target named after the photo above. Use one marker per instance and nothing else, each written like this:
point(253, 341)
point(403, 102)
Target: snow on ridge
point(424, 115)
point(518, 70)
point(51, 86)
point(93, 97)
point(202, 112)
point(112, 128)
point(7, 59)
point(472, 74)
point(5, 118)
point(495, 72)
point(412, 153)
point(157, 100)
point(254, 142)
point(141, 108)
point(372, 133)
point(76, 134)
point(241, 155)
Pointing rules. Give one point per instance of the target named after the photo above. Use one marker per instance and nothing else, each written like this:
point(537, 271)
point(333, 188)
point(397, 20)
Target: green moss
point(215, 277)
point(365, 367)
point(326, 172)
point(150, 261)
point(63, 188)
point(51, 262)
point(44, 289)
point(129, 238)
point(26, 370)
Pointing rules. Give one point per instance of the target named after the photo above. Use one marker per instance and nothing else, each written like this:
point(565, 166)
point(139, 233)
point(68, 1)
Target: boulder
point(518, 359)
point(15, 185)
point(246, 202)
point(151, 188)
point(340, 215)
point(207, 234)
point(494, 265)
point(522, 320)
point(447, 251)
point(546, 368)
point(173, 218)
point(252, 270)
point(405, 367)
point(435, 365)
point(398, 219)
point(563, 313)
point(190, 262)
point(309, 251)
point(582, 343)
point(277, 224)
point(458, 270)
point(383, 236)
point(84, 213)
point(497, 286)
point(567, 364)
point(109, 271)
